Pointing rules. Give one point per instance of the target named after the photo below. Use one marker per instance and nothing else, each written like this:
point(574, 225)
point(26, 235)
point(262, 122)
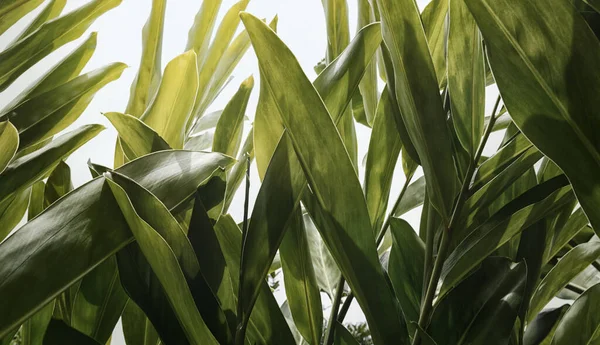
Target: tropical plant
point(151, 240)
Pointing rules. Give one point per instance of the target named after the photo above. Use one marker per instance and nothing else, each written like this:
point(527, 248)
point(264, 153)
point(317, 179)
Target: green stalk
point(240, 333)
point(334, 312)
point(427, 306)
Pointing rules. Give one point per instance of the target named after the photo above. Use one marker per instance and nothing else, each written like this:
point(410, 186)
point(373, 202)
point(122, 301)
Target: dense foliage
point(150, 240)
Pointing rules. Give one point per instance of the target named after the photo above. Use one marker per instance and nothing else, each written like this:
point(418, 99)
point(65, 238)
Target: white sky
point(301, 26)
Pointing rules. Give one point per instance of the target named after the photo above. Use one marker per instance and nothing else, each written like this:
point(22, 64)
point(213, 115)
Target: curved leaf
point(51, 11)
point(580, 323)
point(541, 329)
point(13, 10)
point(137, 138)
point(9, 142)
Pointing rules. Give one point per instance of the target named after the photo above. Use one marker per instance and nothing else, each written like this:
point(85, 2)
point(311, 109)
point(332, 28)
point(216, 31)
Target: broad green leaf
point(285, 310)
point(34, 329)
point(218, 46)
point(466, 76)
point(384, 149)
point(539, 90)
point(146, 82)
point(13, 10)
point(200, 33)
point(577, 221)
point(301, 286)
point(281, 189)
point(47, 114)
point(527, 209)
point(368, 85)
point(338, 29)
point(12, 210)
point(336, 85)
point(338, 194)
point(405, 269)
point(580, 323)
point(413, 197)
point(21, 56)
point(9, 142)
point(169, 111)
point(63, 230)
point(24, 171)
point(206, 122)
point(137, 138)
point(137, 329)
point(99, 302)
point(238, 171)
point(267, 324)
point(51, 11)
point(65, 70)
point(229, 129)
point(435, 22)
point(483, 308)
point(541, 329)
point(166, 265)
point(575, 261)
point(419, 100)
point(59, 333)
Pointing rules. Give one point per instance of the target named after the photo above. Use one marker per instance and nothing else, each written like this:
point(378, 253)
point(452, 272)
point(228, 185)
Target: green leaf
point(407, 260)
point(267, 324)
point(99, 302)
point(519, 214)
point(413, 197)
point(483, 308)
point(281, 189)
point(575, 261)
point(47, 114)
point(137, 329)
point(21, 56)
point(466, 76)
point(34, 329)
point(580, 323)
point(539, 90)
point(137, 138)
point(58, 184)
point(24, 171)
point(13, 10)
point(229, 130)
point(51, 11)
point(368, 85)
point(65, 70)
point(541, 329)
point(238, 171)
point(146, 82)
point(218, 46)
point(301, 286)
point(336, 85)
point(59, 333)
point(342, 336)
point(169, 111)
point(435, 22)
point(338, 194)
point(577, 221)
point(384, 149)
point(200, 33)
point(9, 141)
point(166, 264)
point(326, 270)
point(419, 100)
point(12, 210)
point(63, 230)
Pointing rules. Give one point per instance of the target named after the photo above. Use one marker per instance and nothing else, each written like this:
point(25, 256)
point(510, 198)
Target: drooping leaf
point(146, 82)
point(305, 116)
point(229, 129)
point(541, 91)
point(466, 76)
point(169, 111)
point(21, 56)
point(575, 261)
point(24, 171)
point(419, 100)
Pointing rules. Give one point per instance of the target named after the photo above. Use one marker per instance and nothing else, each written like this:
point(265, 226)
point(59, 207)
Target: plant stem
point(334, 312)
point(427, 305)
point(379, 239)
point(240, 334)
